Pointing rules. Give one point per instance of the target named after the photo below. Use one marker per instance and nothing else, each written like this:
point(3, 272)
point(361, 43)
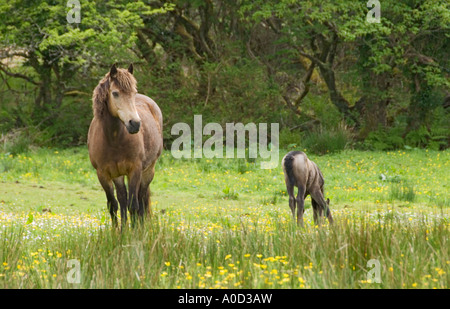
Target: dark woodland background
point(319, 68)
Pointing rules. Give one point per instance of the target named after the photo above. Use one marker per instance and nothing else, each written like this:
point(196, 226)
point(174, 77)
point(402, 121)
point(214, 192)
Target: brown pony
point(124, 139)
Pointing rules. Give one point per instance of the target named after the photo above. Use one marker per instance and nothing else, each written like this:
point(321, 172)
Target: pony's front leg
point(108, 187)
point(121, 191)
point(322, 206)
point(134, 181)
point(328, 212)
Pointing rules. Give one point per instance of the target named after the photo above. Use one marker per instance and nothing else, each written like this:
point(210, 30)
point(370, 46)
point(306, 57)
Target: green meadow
point(225, 223)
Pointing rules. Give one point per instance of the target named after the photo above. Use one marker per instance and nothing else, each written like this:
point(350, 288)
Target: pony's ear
point(113, 71)
point(328, 201)
point(130, 68)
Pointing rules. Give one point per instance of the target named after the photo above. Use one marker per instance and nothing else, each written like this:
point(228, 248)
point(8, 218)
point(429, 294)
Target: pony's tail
point(289, 167)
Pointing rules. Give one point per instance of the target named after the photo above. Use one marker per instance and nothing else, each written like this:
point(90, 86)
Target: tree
point(313, 30)
point(40, 46)
point(411, 38)
point(236, 59)
point(410, 44)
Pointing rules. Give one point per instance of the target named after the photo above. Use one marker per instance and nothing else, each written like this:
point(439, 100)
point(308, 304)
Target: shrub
point(385, 139)
point(16, 141)
point(433, 135)
point(324, 141)
point(289, 139)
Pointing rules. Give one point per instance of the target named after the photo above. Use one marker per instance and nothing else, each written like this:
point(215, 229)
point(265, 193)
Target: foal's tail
point(289, 166)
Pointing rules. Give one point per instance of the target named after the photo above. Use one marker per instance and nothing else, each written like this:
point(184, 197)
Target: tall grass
point(402, 191)
point(263, 252)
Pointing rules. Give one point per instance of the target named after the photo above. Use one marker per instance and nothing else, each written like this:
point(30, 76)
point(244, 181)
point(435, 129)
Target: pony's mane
point(123, 79)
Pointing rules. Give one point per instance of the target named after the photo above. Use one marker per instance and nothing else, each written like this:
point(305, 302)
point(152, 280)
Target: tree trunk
point(335, 96)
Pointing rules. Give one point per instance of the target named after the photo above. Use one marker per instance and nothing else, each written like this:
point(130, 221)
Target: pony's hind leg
point(290, 191)
point(300, 204)
point(144, 191)
point(144, 201)
point(121, 190)
point(112, 205)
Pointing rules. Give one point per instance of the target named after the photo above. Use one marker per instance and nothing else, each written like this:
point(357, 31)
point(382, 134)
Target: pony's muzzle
point(133, 126)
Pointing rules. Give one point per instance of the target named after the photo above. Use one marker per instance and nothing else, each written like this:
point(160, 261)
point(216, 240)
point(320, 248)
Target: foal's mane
point(123, 79)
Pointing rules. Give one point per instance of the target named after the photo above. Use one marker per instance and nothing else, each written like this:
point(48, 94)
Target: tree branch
point(314, 59)
point(305, 82)
point(291, 105)
point(18, 75)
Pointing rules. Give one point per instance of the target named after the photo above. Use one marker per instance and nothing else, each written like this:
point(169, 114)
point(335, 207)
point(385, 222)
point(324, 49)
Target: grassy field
point(226, 223)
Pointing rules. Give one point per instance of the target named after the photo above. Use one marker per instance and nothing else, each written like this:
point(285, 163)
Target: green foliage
point(289, 139)
point(231, 61)
point(434, 134)
point(101, 36)
point(229, 194)
point(242, 93)
point(58, 58)
point(323, 140)
point(424, 138)
point(385, 139)
point(16, 141)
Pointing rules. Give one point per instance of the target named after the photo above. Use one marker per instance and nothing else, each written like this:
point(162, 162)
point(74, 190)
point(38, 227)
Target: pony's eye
point(115, 94)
